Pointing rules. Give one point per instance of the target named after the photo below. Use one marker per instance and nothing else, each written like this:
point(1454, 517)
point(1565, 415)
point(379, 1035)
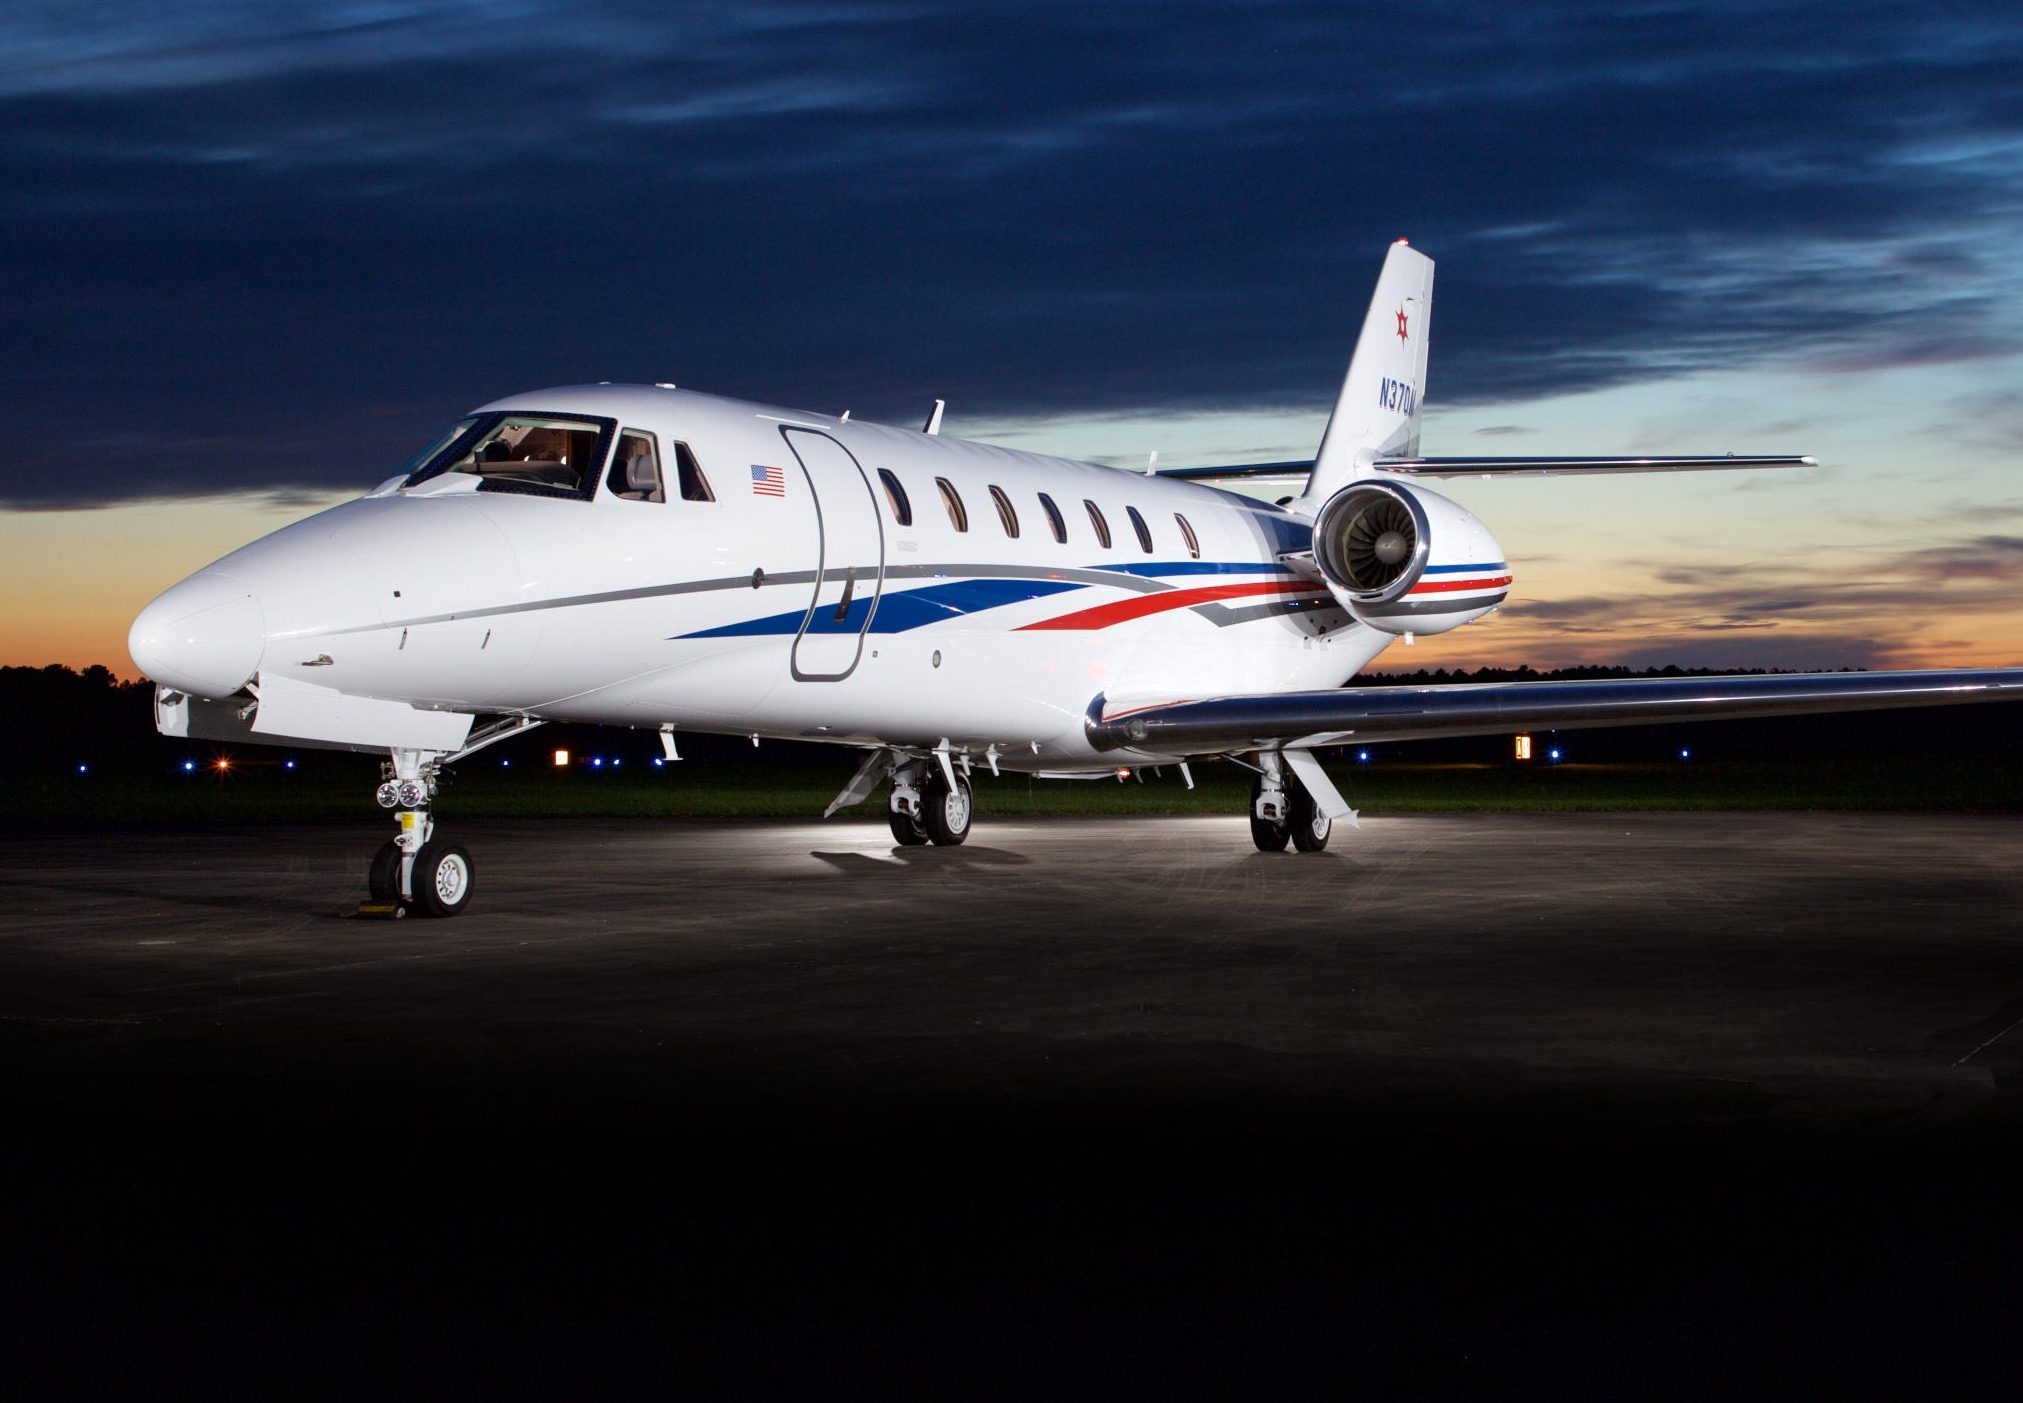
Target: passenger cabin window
point(1138, 525)
point(1096, 520)
point(1060, 527)
point(635, 469)
point(1005, 513)
point(902, 510)
point(1187, 535)
point(535, 454)
point(957, 517)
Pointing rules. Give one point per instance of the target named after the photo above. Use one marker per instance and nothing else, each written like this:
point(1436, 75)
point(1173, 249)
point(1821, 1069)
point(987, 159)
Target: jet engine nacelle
point(1405, 560)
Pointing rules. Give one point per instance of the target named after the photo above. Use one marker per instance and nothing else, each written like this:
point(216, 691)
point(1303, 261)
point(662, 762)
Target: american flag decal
point(768, 482)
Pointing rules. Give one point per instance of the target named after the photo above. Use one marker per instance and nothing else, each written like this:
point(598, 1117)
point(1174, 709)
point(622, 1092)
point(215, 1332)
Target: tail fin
point(1377, 414)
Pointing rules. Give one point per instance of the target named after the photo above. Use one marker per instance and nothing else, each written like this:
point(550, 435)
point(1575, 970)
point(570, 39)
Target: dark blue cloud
point(260, 246)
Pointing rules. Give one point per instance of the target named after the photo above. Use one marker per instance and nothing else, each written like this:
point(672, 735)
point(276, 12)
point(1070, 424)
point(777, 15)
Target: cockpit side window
point(694, 486)
point(535, 454)
point(635, 469)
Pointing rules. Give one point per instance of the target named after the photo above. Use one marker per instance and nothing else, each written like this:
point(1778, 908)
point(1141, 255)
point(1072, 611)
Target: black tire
point(382, 880)
point(1311, 828)
point(1269, 837)
point(907, 831)
point(442, 879)
point(948, 810)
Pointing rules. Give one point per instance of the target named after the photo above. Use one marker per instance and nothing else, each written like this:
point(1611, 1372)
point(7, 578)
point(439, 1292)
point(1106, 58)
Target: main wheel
point(947, 810)
point(1310, 827)
point(442, 879)
point(382, 880)
point(907, 830)
point(1269, 837)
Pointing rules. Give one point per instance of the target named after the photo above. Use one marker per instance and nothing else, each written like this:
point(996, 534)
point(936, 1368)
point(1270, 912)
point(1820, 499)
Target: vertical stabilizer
point(1378, 411)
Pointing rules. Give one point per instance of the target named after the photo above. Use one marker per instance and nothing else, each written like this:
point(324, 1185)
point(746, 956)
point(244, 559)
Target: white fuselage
point(794, 604)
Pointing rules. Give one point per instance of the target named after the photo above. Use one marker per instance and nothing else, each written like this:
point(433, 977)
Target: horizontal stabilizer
point(1505, 467)
point(1221, 724)
point(1547, 467)
point(1294, 470)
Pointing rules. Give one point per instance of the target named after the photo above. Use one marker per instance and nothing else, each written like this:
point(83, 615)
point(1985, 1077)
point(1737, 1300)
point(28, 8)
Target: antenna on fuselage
point(1152, 463)
point(933, 424)
point(843, 417)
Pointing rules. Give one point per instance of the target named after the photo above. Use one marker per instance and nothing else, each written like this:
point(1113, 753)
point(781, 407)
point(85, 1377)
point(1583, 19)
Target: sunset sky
point(256, 253)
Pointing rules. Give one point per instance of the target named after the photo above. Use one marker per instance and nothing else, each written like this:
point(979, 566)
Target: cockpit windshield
point(545, 455)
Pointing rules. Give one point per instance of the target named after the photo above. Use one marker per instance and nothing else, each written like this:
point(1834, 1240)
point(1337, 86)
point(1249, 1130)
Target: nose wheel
point(441, 881)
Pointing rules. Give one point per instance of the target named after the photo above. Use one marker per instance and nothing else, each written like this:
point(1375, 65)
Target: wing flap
point(1220, 724)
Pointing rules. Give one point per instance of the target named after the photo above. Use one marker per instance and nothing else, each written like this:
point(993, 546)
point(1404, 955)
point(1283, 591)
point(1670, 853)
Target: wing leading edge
point(1300, 719)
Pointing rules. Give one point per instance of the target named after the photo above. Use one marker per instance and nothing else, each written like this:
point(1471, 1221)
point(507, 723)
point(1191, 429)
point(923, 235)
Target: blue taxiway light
point(1362, 757)
point(189, 766)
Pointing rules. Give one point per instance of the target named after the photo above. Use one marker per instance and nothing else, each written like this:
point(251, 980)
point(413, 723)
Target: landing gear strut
point(417, 871)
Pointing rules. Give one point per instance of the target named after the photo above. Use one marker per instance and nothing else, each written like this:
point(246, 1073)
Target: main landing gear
point(417, 871)
point(1281, 809)
point(930, 805)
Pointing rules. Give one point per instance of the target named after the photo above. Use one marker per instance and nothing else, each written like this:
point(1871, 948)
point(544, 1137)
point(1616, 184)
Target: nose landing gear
point(417, 871)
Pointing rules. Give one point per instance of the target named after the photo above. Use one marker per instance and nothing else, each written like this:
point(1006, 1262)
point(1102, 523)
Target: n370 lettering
point(1396, 394)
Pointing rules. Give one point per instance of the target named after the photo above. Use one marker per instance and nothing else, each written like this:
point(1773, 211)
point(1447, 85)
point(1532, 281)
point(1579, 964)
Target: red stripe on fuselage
point(1449, 586)
point(1139, 605)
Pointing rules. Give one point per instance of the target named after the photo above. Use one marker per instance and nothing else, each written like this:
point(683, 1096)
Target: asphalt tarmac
point(1464, 1104)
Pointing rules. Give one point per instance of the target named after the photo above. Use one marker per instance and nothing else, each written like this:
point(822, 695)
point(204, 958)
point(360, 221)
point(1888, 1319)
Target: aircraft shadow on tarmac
point(863, 864)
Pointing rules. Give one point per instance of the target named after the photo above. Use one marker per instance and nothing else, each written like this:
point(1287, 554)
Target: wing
point(1301, 719)
point(1504, 467)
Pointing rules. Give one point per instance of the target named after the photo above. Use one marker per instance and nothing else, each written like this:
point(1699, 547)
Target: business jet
point(647, 556)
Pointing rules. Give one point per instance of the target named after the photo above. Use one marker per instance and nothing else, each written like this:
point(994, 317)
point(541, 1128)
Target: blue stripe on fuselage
point(899, 611)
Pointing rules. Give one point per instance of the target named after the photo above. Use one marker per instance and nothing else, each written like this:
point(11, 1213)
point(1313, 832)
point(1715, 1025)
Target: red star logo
point(1401, 323)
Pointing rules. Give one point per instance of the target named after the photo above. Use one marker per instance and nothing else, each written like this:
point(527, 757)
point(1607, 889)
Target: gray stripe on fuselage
point(1437, 606)
point(1223, 615)
point(1134, 584)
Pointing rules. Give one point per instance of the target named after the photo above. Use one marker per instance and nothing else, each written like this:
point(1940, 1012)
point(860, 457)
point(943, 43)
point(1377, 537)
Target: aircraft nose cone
point(203, 636)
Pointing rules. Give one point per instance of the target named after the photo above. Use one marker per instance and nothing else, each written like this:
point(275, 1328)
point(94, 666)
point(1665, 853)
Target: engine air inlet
point(1371, 540)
